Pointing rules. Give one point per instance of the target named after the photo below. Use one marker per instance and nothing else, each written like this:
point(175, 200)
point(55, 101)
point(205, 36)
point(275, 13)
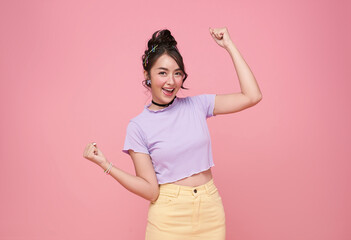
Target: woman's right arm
point(143, 184)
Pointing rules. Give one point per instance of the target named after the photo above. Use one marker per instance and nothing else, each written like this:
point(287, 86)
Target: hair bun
point(162, 37)
point(162, 42)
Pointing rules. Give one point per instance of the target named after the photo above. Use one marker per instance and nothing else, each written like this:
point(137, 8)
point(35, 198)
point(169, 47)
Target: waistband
point(173, 190)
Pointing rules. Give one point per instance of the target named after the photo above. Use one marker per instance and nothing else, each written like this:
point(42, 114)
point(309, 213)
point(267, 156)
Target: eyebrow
point(163, 68)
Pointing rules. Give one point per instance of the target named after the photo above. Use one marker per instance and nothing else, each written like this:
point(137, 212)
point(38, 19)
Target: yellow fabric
point(184, 212)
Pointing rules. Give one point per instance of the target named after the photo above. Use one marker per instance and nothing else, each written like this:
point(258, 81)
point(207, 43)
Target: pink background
point(71, 74)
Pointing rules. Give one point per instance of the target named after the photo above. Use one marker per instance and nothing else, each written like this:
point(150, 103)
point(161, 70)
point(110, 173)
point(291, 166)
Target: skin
point(165, 73)
point(145, 182)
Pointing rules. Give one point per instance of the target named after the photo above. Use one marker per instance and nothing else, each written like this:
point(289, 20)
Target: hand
point(94, 154)
point(221, 37)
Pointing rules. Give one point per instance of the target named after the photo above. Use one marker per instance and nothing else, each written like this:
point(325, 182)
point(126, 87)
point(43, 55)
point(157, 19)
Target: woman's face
point(166, 79)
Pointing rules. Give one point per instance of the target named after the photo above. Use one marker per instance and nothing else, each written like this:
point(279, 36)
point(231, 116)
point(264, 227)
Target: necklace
point(163, 105)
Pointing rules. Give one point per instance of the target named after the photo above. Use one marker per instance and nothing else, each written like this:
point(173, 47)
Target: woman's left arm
point(250, 93)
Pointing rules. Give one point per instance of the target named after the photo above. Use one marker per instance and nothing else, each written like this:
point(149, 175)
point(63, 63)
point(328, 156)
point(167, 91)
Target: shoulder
point(138, 119)
point(195, 98)
point(205, 103)
point(203, 98)
point(135, 125)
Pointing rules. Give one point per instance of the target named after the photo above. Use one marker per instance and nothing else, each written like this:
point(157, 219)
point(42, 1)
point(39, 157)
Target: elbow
point(154, 198)
point(256, 99)
point(155, 194)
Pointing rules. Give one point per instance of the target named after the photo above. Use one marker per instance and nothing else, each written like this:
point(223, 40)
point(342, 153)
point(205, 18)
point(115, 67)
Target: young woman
point(170, 145)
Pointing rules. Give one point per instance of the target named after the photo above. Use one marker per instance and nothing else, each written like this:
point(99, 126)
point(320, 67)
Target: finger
point(86, 150)
point(94, 148)
point(213, 36)
point(90, 152)
point(99, 152)
point(219, 34)
point(216, 33)
point(89, 147)
point(211, 31)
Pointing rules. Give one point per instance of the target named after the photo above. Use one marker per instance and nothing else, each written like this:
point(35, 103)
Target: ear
point(146, 75)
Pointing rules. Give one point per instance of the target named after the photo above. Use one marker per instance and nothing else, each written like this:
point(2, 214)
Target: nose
point(171, 80)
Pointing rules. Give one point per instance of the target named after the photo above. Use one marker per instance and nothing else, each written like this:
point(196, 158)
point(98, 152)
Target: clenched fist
point(94, 154)
point(221, 37)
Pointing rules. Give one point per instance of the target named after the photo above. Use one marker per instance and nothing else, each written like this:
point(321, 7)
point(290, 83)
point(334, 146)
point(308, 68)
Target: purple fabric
point(176, 137)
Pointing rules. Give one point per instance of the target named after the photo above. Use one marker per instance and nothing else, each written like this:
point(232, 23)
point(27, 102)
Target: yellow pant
point(184, 212)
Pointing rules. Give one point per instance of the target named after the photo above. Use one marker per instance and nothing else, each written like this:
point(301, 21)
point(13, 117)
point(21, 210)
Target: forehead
point(166, 61)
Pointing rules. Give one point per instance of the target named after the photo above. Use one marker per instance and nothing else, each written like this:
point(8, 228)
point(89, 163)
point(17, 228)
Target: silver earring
point(148, 82)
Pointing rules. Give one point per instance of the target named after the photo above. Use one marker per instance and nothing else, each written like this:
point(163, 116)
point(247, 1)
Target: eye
point(162, 73)
point(179, 73)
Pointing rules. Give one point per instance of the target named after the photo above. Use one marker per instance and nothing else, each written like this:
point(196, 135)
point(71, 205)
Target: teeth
point(169, 90)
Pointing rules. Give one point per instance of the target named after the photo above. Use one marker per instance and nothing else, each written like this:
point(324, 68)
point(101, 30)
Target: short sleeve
point(206, 103)
point(135, 139)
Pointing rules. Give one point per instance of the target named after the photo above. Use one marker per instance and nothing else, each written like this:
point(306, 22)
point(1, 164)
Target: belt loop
point(177, 191)
point(207, 189)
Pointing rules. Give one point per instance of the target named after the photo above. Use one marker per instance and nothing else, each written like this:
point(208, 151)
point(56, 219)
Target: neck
point(163, 105)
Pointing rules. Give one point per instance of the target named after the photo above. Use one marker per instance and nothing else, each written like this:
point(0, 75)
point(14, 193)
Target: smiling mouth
point(168, 92)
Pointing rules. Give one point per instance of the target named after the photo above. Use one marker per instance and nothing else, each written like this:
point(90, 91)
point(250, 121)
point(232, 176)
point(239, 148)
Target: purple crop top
point(176, 137)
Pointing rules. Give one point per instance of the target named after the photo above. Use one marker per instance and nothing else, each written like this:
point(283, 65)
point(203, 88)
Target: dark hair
point(166, 44)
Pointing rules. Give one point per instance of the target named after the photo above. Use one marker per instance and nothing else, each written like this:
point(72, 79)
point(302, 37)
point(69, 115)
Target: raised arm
point(250, 92)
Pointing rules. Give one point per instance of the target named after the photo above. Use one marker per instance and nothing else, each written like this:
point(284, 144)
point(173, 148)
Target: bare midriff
point(196, 179)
